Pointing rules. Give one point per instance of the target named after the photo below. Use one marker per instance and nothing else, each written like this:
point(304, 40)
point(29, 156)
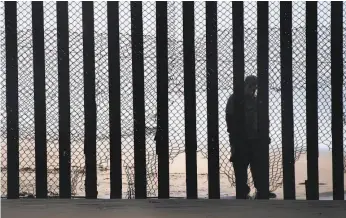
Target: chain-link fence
point(176, 90)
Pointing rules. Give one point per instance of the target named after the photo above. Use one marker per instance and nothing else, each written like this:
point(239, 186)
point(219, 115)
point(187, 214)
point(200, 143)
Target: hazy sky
point(224, 14)
point(149, 28)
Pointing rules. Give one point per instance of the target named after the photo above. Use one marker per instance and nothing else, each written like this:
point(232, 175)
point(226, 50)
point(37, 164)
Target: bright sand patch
point(177, 170)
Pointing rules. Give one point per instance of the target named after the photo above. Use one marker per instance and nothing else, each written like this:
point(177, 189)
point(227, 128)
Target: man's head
point(250, 85)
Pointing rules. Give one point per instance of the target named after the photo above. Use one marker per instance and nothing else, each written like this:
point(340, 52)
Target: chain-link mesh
point(26, 100)
point(324, 75)
point(126, 93)
point(51, 62)
point(101, 90)
point(176, 90)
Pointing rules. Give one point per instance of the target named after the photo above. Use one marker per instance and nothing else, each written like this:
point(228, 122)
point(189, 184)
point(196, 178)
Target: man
point(245, 149)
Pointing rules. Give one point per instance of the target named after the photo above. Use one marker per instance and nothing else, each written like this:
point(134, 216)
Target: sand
point(177, 174)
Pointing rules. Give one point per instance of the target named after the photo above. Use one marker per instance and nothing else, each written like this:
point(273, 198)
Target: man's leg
point(240, 166)
point(257, 168)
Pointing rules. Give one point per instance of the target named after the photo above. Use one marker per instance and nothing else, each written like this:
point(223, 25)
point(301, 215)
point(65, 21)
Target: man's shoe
point(271, 195)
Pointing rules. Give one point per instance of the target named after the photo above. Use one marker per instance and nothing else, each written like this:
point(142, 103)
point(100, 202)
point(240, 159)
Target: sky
point(175, 33)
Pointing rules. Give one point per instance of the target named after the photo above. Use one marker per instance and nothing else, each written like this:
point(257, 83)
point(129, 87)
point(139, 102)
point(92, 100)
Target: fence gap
point(89, 100)
point(263, 92)
point(287, 100)
point(337, 101)
point(212, 101)
point(238, 79)
point(138, 100)
point(162, 146)
point(190, 99)
point(12, 100)
point(312, 192)
point(114, 100)
point(39, 100)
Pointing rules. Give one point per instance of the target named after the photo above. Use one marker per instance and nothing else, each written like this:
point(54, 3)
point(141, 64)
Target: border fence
point(118, 90)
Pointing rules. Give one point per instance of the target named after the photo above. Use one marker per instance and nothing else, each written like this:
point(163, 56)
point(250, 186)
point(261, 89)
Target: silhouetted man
point(245, 147)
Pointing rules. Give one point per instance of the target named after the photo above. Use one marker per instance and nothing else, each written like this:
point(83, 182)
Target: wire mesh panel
point(324, 73)
point(102, 95)
point(126, 96)
point(26, 100)
point(225, 68)
point(176, 93)
point(51, 65)
point(175, 97)
point(299, 78)
point(274, 96)
point(77, 97)
point(201, 81)
point(149, 45)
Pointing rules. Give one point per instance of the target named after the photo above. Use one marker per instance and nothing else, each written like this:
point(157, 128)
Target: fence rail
point(99, 98)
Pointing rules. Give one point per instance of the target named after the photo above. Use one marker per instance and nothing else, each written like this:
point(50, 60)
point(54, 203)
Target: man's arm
point(230, 115)
point(230, 127)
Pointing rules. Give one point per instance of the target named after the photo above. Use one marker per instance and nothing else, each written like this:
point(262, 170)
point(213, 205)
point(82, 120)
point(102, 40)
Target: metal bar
point(138, 99)
point(337, 101)
point(238, 77)
point(190, 99)
point(12, 100)
point(287, 100)
point(89, 100)
point(39, 100)
point(64, 101)
point(311, 101)
point(114, 99)
point(263, 92)
point(212, 101)
point(162, 146)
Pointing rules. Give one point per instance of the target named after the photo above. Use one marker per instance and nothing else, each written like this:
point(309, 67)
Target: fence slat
point(337, 101)
point(138, 99)
point(12, 100)
point(287, 100)
point(263, 92)
point(89, 100)
point(190, 99)
point(162, 146)
point(114, 99)
point(212, 101)
point(39, 100)
point(64, 100)
point(311, 101)
point(238, 78)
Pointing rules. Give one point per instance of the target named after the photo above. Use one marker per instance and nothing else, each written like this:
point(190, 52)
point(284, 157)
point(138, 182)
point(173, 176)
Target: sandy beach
point(177, 174)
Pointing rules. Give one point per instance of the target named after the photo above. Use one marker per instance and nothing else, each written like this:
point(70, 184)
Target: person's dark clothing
point(245, 149)
point(246, 154)
point(250, 107)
